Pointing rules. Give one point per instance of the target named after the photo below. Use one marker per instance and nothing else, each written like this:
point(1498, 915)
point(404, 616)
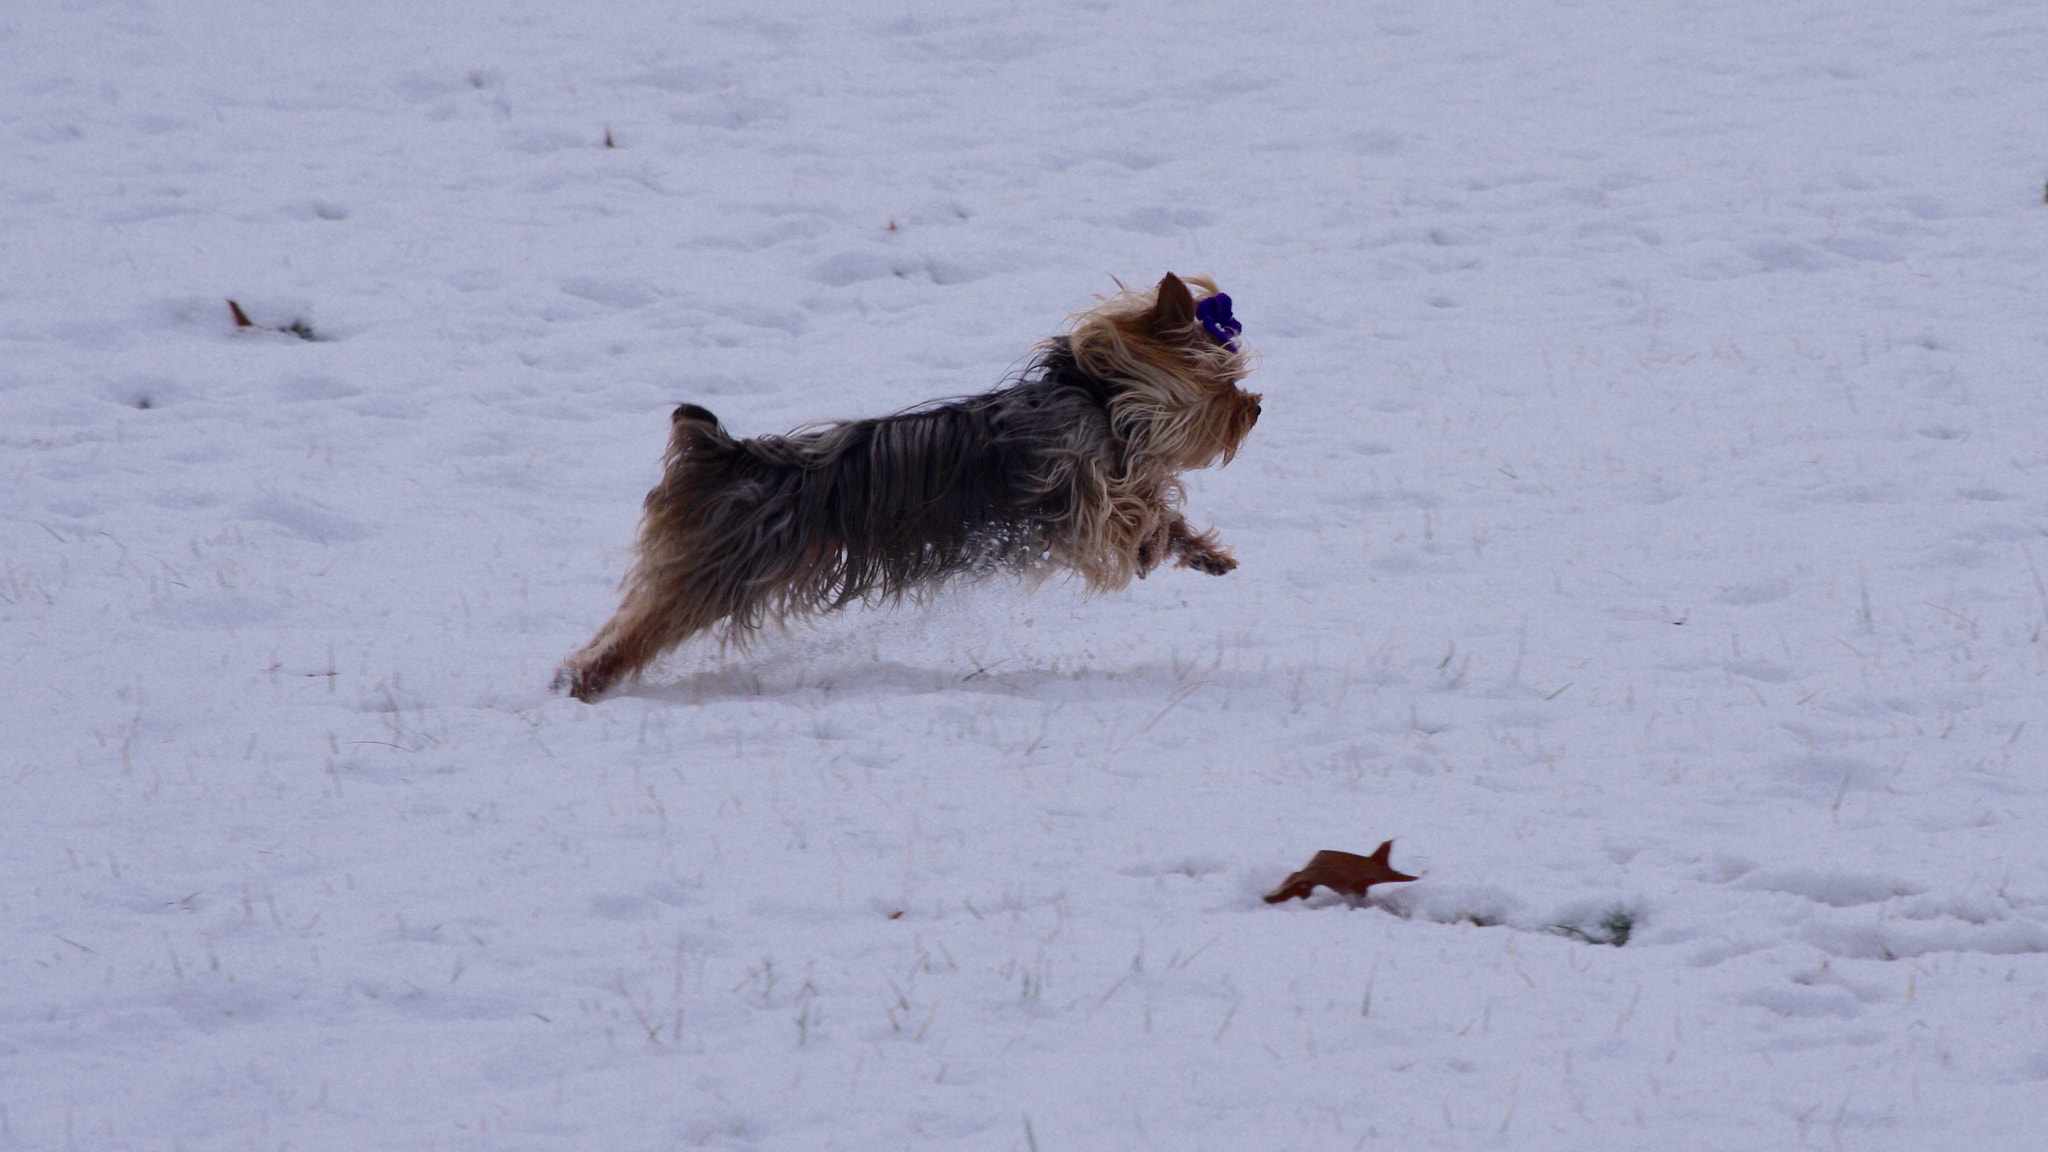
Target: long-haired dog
point(1073, 466)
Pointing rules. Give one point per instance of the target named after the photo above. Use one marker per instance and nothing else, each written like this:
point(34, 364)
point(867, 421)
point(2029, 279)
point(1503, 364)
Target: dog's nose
point(1257, 411)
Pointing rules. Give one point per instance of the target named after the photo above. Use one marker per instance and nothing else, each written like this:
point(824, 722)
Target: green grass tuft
point(1613, 928)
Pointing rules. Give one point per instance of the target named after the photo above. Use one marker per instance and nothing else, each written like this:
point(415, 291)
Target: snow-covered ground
point(1646, 528)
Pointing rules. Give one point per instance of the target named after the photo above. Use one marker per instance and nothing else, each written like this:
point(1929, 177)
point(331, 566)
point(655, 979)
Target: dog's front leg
point(1201, 551)
point(1152, 549)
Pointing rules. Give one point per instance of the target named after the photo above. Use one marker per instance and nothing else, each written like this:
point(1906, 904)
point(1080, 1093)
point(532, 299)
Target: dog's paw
point(1215, 563)
point(578, 683)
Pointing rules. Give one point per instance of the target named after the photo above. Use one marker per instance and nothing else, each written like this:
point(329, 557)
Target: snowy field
point(1645, 532)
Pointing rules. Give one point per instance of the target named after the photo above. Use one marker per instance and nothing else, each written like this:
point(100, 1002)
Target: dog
point(1073, 466)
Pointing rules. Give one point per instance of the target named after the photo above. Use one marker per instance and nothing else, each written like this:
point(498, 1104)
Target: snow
point(1645, 527)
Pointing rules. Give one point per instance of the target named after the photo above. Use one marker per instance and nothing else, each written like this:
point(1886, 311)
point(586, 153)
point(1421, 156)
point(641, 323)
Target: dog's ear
point(1175, 310)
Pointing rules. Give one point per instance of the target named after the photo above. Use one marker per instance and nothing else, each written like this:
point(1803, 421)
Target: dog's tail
point(694, 431)
point(689, 419)
point(693, 413)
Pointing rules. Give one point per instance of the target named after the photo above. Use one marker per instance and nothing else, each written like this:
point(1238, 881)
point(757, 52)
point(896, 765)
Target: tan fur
point(1181, 410)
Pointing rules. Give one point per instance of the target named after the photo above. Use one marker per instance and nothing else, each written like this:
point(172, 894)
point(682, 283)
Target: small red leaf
point(1343, 872)
point(241, 318)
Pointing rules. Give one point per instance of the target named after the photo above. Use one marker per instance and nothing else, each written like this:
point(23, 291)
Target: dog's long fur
point(1072, 467)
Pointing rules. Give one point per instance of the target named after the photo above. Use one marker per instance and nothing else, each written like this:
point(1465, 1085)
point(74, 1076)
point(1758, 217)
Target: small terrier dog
point(1073, 466)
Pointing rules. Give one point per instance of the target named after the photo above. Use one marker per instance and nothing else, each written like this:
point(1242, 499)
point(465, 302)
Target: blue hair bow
point(1214, 313)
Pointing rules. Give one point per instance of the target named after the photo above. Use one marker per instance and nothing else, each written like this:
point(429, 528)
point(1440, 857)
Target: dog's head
point(1180, 361)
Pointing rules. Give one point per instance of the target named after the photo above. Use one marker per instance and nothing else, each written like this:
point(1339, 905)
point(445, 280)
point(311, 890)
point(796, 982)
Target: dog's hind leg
point(592, 670)
point(669, 594)
point(627, 643)
point(657, 614)
point(587, 675)
point(587, 672)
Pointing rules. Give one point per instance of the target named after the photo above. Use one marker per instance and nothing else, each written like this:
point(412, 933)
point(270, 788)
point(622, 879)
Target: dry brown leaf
point(1343, 872)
